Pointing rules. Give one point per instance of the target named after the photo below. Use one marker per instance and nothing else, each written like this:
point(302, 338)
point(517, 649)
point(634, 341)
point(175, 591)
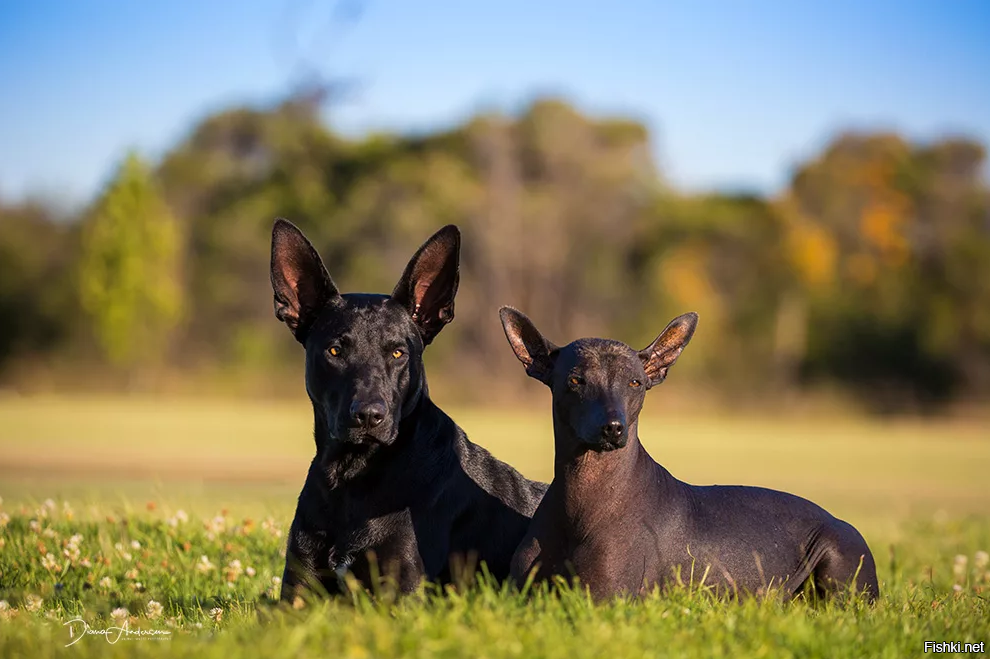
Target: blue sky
point(734, 92)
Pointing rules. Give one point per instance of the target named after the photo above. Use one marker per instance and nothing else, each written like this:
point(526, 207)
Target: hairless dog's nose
point(367, 414)
point(613, 429)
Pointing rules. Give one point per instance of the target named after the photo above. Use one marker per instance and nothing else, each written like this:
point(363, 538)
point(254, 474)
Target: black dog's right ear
point(429, 283)
point(301, 284)
point(531, 347)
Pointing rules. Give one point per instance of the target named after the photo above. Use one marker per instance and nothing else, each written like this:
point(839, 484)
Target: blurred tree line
point(869, 274)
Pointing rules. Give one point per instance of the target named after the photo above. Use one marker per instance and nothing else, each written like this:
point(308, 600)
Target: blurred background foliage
point(868, 276)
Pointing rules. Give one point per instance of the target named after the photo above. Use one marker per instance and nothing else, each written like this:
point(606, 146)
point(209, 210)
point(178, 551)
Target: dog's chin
point(604, 446)
point(361, 437)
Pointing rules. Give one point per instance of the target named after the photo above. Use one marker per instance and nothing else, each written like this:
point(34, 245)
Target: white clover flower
point(49, 532)
point(181, 516)
point(76, 538)
point(216, 614)
point(33, 603)
point(216, 525)
point(981, 559)
point(959, 565)
point(71, 552)
point(106, 583)
point(250, 571)
point(957, 588)
point(269, 525)
point(135, 544)
point(276, 581)
point(4, 604)
point(35, 526)
point(234, 570)
point(4, 519)
point(131, 574)
point(204, 564)
point(49, 504)
point(119, 615)
point(86, 562)
point(154, 609)
point(49, 562)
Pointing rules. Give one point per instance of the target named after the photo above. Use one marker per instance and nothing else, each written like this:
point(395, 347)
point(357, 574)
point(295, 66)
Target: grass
point(119, 471)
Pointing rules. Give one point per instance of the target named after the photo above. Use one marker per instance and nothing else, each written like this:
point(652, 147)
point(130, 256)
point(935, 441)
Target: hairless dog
point(623, 524)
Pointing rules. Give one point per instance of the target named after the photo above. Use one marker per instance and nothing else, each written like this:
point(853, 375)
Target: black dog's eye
point(576, 380)
point(635, 383)
point(334, 351)
point(398, 352)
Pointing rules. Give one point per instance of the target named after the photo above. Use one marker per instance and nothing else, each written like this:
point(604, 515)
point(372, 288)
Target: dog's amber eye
point(398, 352)
point(635, 383)
point(575, 380)
point(335, 351)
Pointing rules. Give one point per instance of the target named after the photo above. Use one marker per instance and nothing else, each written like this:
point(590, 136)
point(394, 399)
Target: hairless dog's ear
point(664, 351)
point(429, 283)
point(531, 347)
point(301, 284)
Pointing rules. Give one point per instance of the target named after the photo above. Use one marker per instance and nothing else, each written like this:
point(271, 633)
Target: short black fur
point(393, 475)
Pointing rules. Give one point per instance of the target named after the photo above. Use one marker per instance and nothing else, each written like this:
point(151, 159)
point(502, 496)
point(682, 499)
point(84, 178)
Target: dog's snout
point(367, 414)
point(613, 429)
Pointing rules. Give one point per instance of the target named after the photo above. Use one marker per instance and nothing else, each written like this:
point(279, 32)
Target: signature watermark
point(79, 628)
point(954, 647)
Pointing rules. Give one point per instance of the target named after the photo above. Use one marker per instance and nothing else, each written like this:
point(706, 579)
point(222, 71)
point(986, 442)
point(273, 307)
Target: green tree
point(129, 268)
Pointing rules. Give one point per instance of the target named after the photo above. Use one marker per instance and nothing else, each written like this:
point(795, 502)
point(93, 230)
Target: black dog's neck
point(343, 461)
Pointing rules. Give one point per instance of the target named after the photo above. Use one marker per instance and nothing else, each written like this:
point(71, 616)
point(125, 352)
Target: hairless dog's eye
point(635, 383)
point(576, 380)
point(334, 351)
point(398, 352)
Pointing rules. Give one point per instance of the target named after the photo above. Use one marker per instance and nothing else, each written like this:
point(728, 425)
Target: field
point(170, 515)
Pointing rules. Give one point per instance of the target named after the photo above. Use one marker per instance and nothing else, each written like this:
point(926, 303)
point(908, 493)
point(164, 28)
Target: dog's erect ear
point(301, 284)
point(531, 347)
point(664, 351)
point(429, 283)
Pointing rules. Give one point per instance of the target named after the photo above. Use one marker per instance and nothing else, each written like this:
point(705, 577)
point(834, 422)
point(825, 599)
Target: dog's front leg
point(307, 565)
point(393, 563)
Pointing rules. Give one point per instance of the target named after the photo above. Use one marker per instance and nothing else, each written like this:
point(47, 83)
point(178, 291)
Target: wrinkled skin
point(395, 485)
point(623, 524)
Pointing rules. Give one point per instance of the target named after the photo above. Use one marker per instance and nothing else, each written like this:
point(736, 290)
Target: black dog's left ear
point(429, 284)
point(664, 351)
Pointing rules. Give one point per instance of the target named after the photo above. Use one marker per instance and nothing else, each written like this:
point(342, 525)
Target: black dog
point(393, 475)
point(622, 523)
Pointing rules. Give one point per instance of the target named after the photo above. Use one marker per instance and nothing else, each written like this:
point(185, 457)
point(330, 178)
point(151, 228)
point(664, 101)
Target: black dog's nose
point(613, 430)
point(367, 415)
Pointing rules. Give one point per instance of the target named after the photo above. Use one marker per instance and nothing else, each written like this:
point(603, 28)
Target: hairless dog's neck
point(599, 486)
